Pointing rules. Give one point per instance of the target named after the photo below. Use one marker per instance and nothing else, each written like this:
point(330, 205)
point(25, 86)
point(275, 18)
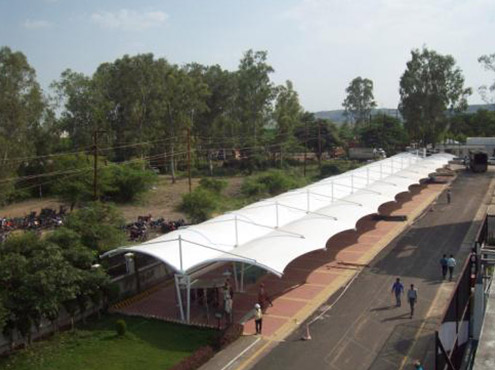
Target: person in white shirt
point(412, 297)
point(451, 263)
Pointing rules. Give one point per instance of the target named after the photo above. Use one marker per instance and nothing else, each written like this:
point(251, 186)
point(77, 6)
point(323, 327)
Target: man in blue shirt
point(397, 289)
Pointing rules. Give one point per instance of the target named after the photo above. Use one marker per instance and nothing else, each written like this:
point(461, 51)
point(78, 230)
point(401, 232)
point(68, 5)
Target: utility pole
point(319, 145)
point(189, 157)
point(95, 164)
point(305, 146)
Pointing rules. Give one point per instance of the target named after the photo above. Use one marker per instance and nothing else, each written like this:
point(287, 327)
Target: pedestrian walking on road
point(451, 263)
point(397, 289)
point(449, 196)
point(258, 318)
point(443, 263)
point(412, 297)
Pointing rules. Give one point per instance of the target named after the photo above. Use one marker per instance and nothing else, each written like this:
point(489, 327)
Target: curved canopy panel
point(273, 232)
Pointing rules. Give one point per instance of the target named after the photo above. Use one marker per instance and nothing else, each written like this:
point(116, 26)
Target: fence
point(452, 337)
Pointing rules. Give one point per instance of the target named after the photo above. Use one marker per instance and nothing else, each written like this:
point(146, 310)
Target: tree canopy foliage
point(38, 276)
point(384, 132)
point(149, 111)
point(21, 113)
point(359, 101)
point(431, 85)
point(487, 91)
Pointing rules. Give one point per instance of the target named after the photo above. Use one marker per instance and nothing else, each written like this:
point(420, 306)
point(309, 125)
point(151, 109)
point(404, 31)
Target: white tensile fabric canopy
point(273, 232)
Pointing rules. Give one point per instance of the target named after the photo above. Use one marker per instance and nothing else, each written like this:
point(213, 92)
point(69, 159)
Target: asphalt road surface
point(364, 329)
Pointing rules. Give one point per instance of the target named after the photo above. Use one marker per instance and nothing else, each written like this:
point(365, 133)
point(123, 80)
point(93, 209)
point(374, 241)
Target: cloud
point(130, 20)
point(36, 24)
point(373, 38)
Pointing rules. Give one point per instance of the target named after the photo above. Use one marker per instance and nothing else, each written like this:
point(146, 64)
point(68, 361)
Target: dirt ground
point(161, 201)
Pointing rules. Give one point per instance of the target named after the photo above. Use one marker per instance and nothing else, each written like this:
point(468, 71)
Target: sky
point(320, 45)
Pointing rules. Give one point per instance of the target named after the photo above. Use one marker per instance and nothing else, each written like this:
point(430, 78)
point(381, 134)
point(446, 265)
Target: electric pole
point(95, 165)
point(189, 157)
point(319, 145)
point(305, 147)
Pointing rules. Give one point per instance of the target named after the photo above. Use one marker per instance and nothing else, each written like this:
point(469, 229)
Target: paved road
point(364, 330)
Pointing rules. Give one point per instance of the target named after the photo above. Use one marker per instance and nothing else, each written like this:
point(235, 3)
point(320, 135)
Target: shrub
point(252, 187)
point(273, 182)
point(277, 182)
point(198, 205)
point(337, 167)
point(198, 358)
point(329, 169)
point(213, 185)
point(128, 181)
point(120, 327)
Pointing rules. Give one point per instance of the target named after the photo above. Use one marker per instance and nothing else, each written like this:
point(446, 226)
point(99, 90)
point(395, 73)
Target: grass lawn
point(148, 344)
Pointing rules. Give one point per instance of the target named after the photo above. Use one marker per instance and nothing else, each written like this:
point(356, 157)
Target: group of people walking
point(447, 265)
point(412, 295)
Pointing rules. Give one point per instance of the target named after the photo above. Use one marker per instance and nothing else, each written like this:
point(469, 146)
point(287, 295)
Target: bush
point(197, 359)
point(120, 327)
point(273, 182)
point(128, 181)
point(213, 185)
point(329, 169)
point(199, 205)
point(336, 167)
point(252, 187)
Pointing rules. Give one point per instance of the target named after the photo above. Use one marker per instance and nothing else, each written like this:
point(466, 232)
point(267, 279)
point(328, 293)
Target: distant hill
point(338, 117)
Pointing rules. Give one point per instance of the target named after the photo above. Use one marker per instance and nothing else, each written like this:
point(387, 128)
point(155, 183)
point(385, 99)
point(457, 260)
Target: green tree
point(384, 132)
point(255, 94)
point(74, 180)
point(287, 115)
point(199, 205)
point(36, 279)
point(21, 108)
point(359, 101)
point(127, 181)
point(216, 126)
point(430, 85)
point(99, 225)
point(182, 97)
point(129, 86)
point(488, 62)
point(311, 130)
point(82, 107)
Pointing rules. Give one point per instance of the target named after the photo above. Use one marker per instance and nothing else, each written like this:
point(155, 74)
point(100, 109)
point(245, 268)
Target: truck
point(478, 161)
point(363, 154)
